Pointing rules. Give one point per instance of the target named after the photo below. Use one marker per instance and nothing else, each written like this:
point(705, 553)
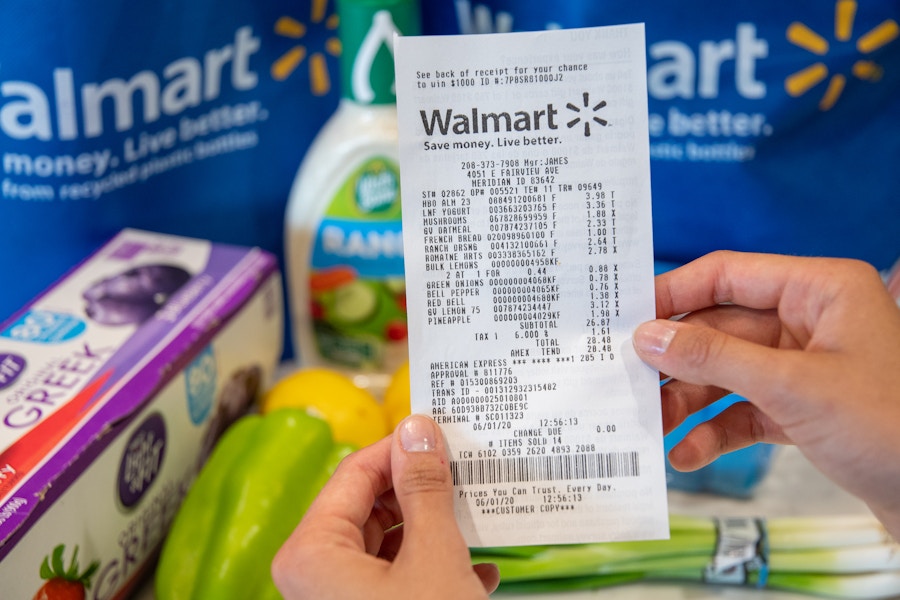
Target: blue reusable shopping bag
point(773, 125)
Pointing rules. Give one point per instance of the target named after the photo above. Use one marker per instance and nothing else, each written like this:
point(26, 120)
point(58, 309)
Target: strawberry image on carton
point(114, 386)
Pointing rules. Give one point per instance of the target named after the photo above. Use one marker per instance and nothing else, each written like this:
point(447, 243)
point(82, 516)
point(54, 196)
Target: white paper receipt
point(525, 176)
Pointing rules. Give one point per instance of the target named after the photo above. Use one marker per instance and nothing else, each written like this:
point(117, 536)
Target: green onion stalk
point(849, 557)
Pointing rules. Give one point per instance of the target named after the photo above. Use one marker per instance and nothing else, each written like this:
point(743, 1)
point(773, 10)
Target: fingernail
point(653, 337)
point(418, 434)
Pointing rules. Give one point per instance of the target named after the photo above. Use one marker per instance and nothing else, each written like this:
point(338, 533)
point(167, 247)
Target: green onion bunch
point(832, 557)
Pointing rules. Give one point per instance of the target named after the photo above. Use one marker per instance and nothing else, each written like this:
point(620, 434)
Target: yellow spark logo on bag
point(800, 35)
point(319, 79)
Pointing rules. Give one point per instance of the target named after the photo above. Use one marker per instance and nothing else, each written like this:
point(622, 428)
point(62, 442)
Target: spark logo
point(800, 35)
point(587, 120)
point(319, 79)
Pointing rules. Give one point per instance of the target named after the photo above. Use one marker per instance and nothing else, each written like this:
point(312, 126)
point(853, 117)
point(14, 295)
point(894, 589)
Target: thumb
point(422, 482)
point(423, 486)
point(705, 356)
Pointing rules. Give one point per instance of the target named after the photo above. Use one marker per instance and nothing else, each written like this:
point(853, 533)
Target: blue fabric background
point(821, 182)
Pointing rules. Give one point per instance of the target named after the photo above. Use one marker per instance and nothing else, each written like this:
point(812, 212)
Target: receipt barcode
point(546, 468)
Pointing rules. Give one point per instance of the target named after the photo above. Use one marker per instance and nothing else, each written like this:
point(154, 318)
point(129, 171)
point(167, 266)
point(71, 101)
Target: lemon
point(355, 416)
point(396, 396)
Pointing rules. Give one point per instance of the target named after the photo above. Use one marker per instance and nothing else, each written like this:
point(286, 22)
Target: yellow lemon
point(396, 396)
point(355, 416)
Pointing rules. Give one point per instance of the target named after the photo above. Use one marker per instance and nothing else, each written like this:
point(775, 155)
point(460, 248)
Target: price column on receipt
point(525, 177)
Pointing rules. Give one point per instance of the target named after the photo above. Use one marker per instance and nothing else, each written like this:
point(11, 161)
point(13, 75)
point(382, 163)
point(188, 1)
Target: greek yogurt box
point(114, 386)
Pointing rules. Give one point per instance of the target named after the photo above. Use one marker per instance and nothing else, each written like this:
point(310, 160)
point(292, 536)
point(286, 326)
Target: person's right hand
point(812, 343)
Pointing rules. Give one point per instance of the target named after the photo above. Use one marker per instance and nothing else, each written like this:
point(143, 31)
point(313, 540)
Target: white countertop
point(792, 488)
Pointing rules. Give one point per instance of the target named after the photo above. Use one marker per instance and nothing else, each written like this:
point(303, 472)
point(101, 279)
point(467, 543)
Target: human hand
point(351, 544)
point(812, 343)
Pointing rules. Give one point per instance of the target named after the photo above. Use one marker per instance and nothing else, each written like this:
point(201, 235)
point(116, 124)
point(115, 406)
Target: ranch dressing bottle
point(344, 249)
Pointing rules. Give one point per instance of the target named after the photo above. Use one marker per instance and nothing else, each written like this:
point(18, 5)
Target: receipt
point(525, 176)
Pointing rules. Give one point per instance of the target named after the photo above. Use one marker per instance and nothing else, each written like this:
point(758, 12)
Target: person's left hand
point(384, 528)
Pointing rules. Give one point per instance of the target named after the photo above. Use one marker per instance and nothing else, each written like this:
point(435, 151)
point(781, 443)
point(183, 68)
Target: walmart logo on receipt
point(474, 120)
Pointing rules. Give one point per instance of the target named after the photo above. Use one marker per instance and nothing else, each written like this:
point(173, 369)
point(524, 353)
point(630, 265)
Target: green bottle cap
point(367, 31)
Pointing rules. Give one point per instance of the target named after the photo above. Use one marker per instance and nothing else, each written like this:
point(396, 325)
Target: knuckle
point(357, 464)
point(720, 436)
point(723, 256)
point(701, 347)
point(849, 274)
point(853, 268)
point(281, 566)
point(860, 272)
point(287, 564)
point(426, 478)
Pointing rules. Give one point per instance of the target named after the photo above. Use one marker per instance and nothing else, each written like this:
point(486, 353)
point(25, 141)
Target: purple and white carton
point(115, 384)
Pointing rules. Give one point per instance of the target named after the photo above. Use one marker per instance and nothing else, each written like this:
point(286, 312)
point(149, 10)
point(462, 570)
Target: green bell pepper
point(262, 476)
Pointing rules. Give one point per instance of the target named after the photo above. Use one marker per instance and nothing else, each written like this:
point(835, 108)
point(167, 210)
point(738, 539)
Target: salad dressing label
point(527, 229)
point(356, 277)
